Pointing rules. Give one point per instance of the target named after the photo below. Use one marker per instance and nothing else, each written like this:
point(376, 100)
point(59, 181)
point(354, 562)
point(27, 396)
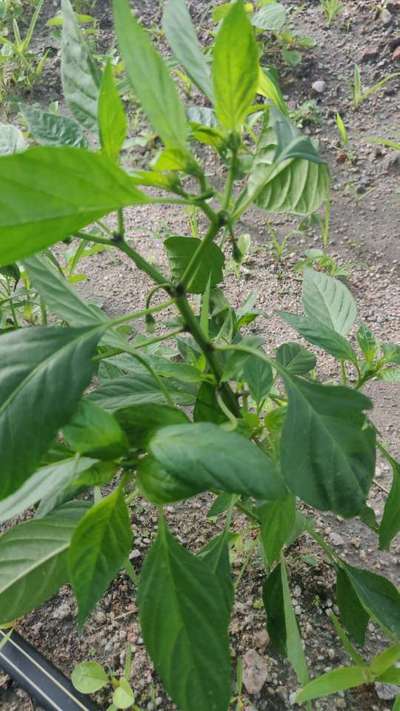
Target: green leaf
point(220, 504)
point(184, 620)
point(277, 523)
point(294, 645)
point(140, 422)
point(390, 524)
point(113, 123)
point(44, 373)
point(235, 68)
point(53, 130)
point(268, 86)
point(259, 377)
point(123, 696)
point(207, 408)
point(72, 188)
point(180, 251)
point(328, 449)
point(328, 301)
point(368, 343)
point(99, 474)
point(378, 596)
point(79, 74)
point(384, 660)
point(46, 482)
point(391, 352)
point(274, 608)
point(322, 336)
point(396, 705)
point(33, 560)
point(216, 555)
point(11, 140)
point(352, 613)
point(141, 388)
point(182, 38)
point(205, 456)
point(59, 297)
point(95, 432)
point(99, 547)
point(296, 359)
point(284, 178)
point(271, 17)
point(150, 79)
point(332, 682)
point(89, 677)
point(160, 487)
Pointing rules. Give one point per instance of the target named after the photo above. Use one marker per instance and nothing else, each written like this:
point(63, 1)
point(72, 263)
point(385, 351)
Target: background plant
point(213, 412)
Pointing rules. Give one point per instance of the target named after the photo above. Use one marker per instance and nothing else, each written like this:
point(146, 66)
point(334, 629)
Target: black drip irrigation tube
point(38, 677)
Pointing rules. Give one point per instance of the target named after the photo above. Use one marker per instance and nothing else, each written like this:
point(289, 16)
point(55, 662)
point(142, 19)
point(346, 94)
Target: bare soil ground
point(364, 232)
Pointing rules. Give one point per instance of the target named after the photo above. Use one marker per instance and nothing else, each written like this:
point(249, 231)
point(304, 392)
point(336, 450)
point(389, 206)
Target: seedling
point(360, 93)
point(331, 8)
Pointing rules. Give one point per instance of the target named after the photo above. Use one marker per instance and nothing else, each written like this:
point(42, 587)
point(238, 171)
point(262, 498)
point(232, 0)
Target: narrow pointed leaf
point(390, 524)
point(275, 611)
point(332, 682)
point(33, 560)
point(150, 79)
point(379, 597)
point(113, 123)
point(277, 524)
point(352, 613)
point(185, 625)
point(216, 555)
point(71, 188)
point(99, 547)
point(294, 645)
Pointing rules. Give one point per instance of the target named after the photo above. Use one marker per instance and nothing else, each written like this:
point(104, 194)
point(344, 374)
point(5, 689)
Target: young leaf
point(216, 555)
point(332, 682)
point(271, 17)
point(183, 41)
point(79, 75)
point(34, 362)
point(294, 646)
point(150, 79)
point(259, 377)
point(113, 123)
point(235, 68)
point(95, 432)
point(352, 613)
point(180, 251)
point(89, 677)
point(140, 422)
point(378, 596)
point(328, 449)
point(277, 523)
point(123, 696)
point(98, 549)
point(206, 456)
point(60, 298)
point(368, 343)
point(184, 619)
point(390, 524)
point(274, 608)
point(46, 482)
point(322, 336)
point(33, 560)
point(296, 359)
point(53, 130)
point(72, 188)
point(328, 301)
point(385, 660)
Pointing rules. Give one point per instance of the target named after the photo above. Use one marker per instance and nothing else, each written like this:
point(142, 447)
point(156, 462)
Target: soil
point(365, 237)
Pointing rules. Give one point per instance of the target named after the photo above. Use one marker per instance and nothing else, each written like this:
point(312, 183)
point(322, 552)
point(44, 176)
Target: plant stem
point(139, 314)
point(141, 263)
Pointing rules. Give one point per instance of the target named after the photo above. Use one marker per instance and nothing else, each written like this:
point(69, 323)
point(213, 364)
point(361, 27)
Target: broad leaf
point(95, 432)
point(180, 251)
point(277, 524)
point(183, 41)
point(53, 130)
point(150, 79)
point(328, 301)
point(123, 696)
point(43, 374)
point(71, 189)
point(378, 596)
point(100, 545)
point(141, 388)
point(328, 448)
point(390, 524)
point(184, 622)
point(296, 359)
point(207, 408)
point(79, 74)
point(332, 682)
point(235, 68)
point(352, 613)
point(216, 555)
point(113, 123)
point(139, 422)
point(274, 608)
point(46, 482)
point(11, 140)
point(59, 297)
point(271, 17)
point(33, 560)
point(89, 677)
point(259, 377)
point(322, 336)
point(205, 456)
point(160, 487)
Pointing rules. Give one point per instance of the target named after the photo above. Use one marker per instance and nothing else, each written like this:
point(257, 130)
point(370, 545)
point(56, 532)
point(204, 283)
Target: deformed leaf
point(53, 130)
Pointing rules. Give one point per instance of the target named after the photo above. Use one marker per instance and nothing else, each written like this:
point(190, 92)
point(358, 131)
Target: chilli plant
point(90, 406)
